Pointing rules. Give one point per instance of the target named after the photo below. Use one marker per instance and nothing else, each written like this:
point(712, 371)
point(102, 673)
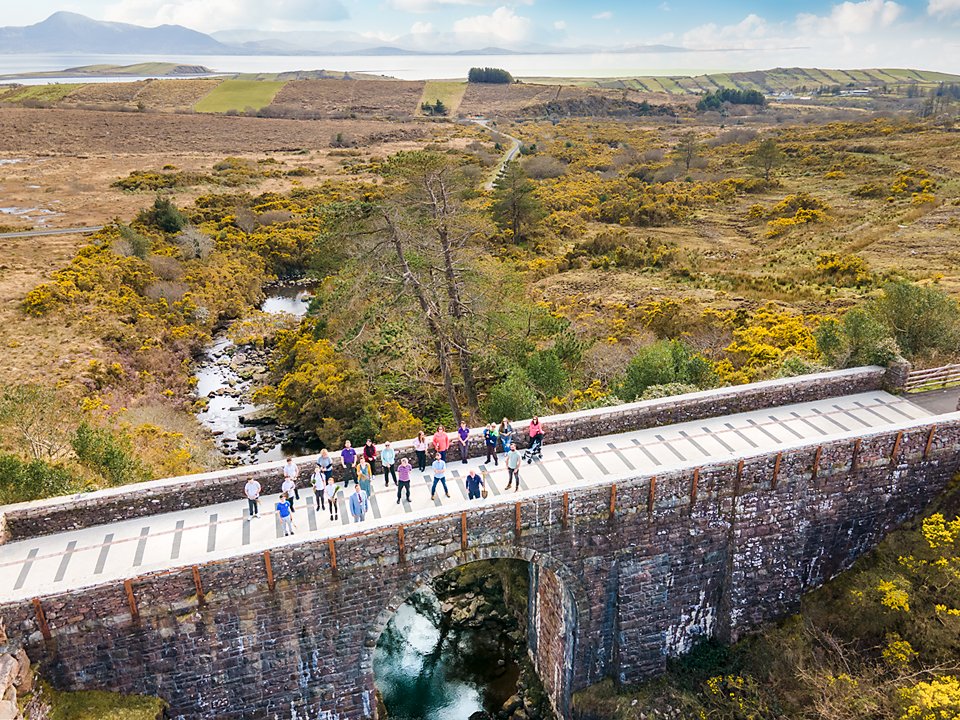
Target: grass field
point(767, 81)
point(53, 92)
point(239, 95)
point(449, 92)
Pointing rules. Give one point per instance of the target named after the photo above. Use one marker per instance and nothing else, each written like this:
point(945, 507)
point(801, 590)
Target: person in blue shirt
point(388, 458)
point(439, 476)
point(286, 516)
point(474, 483)
point(359, 504)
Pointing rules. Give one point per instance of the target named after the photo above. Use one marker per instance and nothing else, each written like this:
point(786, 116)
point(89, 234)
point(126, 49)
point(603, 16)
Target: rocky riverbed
point(229, 374)
point(457, 650)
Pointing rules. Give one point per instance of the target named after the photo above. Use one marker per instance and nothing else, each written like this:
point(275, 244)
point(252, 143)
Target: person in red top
point(370, 452)
point(536, 432)
point(441, 442)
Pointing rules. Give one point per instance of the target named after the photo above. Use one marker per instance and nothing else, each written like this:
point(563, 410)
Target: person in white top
point(319, 482)
point(288, 488)
point(292, 472)
point(333, 501)
point(252, 491)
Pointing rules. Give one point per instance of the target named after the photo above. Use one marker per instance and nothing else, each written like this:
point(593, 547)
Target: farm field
point(449, 92)
point(238, 95)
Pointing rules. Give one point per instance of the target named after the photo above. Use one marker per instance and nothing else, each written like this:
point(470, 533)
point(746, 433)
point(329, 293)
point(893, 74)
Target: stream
point(427, 669)
point(226, 375)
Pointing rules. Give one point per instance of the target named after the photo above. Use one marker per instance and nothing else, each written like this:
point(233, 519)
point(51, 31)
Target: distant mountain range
point(67, 32)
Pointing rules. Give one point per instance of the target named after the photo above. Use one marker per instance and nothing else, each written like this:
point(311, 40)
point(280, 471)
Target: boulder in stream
point(262, 415)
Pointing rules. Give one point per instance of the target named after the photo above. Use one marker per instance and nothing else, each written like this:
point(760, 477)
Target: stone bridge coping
point(402, 445)
point(522, 497)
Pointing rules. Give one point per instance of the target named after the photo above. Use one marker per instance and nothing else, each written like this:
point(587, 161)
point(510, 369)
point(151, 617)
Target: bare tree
point(40, 420)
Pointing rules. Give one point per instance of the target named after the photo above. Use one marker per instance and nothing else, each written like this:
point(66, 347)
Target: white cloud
point(212, 15)
point(751, 32)
point(502, 25)
point(853, 18)
point(605, 15)
point(425, 6)
point(560, 25)
point(421, 28)
point(943, 7)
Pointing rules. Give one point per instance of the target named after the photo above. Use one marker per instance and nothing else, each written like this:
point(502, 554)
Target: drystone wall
point(631, 572)
point(168, 495)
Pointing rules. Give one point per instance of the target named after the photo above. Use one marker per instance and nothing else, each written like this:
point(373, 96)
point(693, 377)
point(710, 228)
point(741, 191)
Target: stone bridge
point(647, 527)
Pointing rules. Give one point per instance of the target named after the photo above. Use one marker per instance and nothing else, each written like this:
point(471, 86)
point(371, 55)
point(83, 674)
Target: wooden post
point(652, 495)
point(776, 471)
point(816, 462)
point(268, 565)
point(42, 619)
point(463, 530)
point(516, 527)
point(566, 509)
point(896, 447)
point(926, 449)
point(131, 600)
point(739, 477)
point(613, 500)
point(201, 600)
point(855, 461)
point(693, 488)
point(402, 544)
point(332, 546)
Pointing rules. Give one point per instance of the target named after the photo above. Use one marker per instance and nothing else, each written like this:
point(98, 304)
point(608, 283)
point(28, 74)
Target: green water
point(426, 670)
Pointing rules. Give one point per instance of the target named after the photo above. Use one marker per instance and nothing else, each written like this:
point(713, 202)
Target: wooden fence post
point(402, 544)
point(463, 530)
point(516, 526)
point(855, 460)
point(42, 619)
point(131, 600)
point(613, 500)
point(652, 495)
point(201, 600)
point(776, 471)
point(816, 462)
point(332, 547)
point(693, 488)
point(268, 565)
point(566, 509)
point(926, 448)
point(896, 447)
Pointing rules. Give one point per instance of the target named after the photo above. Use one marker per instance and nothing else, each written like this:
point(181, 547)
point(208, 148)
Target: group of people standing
point(358, 470)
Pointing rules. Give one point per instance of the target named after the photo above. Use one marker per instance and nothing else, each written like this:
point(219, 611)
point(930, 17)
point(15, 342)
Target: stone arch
point(572, 604)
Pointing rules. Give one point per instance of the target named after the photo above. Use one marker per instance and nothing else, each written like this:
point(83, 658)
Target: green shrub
point(547, 374)
point(664, 362)
point(513, 397)
point(920, 317)
point(22, 480)
point(108, 454)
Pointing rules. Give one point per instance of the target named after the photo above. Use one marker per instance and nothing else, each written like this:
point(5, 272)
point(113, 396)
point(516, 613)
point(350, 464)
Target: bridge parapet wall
point(168, 495)
point(648, 566)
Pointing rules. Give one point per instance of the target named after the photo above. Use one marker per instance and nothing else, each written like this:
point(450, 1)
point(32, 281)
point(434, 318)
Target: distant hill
point(778, 80)
point(66, 32)
point(152, 69)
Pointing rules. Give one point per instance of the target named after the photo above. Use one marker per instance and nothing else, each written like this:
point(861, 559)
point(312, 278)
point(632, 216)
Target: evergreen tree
point(515, 206)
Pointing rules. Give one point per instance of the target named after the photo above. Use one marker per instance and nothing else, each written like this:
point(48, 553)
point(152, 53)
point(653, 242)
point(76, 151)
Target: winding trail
point(52, 231)
point(508, 156)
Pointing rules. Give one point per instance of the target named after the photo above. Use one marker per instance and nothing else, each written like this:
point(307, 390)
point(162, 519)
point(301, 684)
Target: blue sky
point(892, 33)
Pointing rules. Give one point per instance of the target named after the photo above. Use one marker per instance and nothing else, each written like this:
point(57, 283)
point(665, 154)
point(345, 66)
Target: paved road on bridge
point(73, 559)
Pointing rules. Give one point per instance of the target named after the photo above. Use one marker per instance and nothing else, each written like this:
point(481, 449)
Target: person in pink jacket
point(441, 442)
point(536, 432)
